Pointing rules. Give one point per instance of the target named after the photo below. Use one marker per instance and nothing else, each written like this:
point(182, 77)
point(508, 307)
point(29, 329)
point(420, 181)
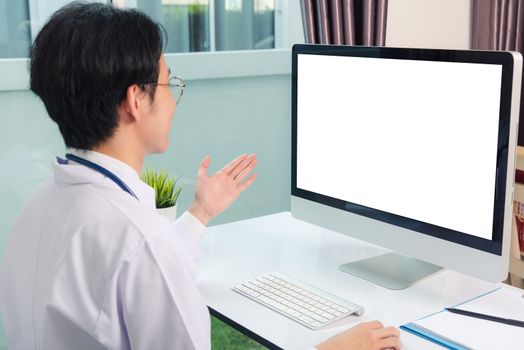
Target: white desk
point(242, 250)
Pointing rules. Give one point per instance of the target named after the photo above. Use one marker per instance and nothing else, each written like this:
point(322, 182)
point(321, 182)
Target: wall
point(224, 118)
point(429, 23)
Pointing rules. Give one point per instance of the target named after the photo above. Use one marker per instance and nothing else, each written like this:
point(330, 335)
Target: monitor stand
point(391, 270)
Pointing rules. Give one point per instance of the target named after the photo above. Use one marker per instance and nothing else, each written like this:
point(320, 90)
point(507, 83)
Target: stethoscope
point(101, 170)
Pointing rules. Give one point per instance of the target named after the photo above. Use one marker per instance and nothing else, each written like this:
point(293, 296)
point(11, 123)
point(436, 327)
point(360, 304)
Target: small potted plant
point(166, 191)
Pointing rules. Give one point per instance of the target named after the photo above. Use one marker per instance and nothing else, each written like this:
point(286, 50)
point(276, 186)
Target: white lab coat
point(87, 266)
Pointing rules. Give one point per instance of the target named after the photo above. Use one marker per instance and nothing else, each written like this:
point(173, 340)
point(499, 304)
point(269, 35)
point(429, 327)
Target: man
point(89, 264)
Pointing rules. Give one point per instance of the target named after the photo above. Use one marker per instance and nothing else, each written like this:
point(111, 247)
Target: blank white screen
point(413, 138)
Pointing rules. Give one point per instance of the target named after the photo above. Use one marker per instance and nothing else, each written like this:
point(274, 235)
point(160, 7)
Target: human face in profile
point(160, 114)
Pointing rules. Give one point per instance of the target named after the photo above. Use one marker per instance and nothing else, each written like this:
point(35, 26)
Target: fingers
point(391, 343)
point(233, 164)
point(373, 325)
point(242, 165)
point(388, 332)
point(202, 170)
point(389, 338)
point(244, 168)
point(247, 183)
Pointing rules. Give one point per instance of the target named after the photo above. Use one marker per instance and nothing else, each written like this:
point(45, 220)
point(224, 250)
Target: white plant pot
point(169, 213)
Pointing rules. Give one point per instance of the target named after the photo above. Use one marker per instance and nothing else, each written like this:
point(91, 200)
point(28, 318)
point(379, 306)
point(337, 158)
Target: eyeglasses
point(174, 82)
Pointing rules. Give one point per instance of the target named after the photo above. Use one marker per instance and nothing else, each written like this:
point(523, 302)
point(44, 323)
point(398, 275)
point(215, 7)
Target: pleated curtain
point(345, 22)
point(499, 25)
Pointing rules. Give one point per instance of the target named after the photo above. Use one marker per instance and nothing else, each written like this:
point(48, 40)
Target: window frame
point(190, 66)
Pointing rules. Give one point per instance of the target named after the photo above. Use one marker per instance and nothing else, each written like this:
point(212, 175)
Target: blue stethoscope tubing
point(103, 171)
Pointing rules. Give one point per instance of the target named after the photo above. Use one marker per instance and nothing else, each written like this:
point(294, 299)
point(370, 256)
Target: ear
point(133, 105)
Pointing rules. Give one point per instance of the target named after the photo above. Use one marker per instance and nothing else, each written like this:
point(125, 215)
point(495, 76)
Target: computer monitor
point(409, 149)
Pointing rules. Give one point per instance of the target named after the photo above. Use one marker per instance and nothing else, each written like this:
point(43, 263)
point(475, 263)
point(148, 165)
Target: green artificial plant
point(165, 186)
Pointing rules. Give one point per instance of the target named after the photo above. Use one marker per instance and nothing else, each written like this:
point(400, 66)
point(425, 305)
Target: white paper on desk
point(482, 334)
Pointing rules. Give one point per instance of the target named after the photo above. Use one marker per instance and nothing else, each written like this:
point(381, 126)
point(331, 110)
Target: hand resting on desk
point(364, 336)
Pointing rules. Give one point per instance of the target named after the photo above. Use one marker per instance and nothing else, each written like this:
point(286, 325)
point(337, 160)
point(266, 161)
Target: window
point(15, 31)
point(20, 22)
point(212, 25)
point(191, 25)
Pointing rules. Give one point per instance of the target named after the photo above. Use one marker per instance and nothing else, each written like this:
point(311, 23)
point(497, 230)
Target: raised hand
point(215, 193)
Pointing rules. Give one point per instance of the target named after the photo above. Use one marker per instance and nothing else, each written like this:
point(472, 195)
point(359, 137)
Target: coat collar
point(74, 173)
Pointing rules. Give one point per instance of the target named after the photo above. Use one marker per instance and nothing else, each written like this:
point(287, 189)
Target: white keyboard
point(296, 300)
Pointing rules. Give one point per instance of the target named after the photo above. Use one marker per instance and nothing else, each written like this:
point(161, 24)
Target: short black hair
point(84, 59)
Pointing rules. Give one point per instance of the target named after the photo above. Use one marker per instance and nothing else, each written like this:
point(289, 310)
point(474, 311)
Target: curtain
point(499, 25)
point(345, 22)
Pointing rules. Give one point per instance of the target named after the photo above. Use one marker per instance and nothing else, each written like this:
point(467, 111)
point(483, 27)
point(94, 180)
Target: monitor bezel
point(505, 59)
